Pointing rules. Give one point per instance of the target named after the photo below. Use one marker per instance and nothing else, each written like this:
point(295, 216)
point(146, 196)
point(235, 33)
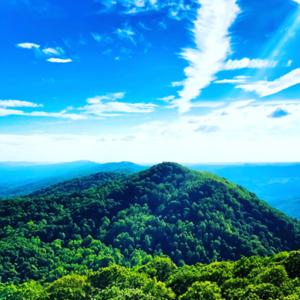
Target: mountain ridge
point(168, 209)
point(278, 184)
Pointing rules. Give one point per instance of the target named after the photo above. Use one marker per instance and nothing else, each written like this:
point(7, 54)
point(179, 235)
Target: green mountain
point(90, 222)
point(278, 184)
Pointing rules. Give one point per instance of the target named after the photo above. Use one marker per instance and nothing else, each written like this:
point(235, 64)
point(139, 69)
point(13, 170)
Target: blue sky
point(150, 80)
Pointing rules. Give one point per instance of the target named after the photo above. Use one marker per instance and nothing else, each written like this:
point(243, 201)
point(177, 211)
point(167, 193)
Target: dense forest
point(252, 278)
point(94, 221)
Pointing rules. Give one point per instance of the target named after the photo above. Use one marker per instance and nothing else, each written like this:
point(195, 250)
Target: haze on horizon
point(191, 81)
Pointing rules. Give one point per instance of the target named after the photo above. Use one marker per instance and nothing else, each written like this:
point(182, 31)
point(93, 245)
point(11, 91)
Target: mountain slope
point(278, 184)
point(24, 178)
point(203, 217)
point(167, 209)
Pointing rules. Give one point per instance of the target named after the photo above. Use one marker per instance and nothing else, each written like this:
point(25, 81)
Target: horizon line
point(152, 163)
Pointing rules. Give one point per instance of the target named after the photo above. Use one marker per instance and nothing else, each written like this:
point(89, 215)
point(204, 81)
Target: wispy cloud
point(28, 45)
point(53, 51)
point(265, 88)
point(214, 136)
point(52, 54)
point(126, 32)
point(4, 112)
point(234, 80)
point(109, 106)
point(64, 114)
point(247, 63)
point(18, 103)
point(167, 98)
point(212, 40)
point(175, 9)
point(59, 60)
point(17, 108)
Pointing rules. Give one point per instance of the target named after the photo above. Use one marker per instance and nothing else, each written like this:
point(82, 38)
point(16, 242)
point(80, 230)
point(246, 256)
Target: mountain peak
point(169, 167)
point(165, 172)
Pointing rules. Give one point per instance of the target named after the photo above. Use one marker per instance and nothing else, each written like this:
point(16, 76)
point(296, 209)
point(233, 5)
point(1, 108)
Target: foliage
point(266, 279)
point(202, 290)
point(71, 287)
point(91, 222)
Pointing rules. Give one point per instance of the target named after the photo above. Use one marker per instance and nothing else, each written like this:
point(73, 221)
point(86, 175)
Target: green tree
point(205, 290)
point(30, 290)
point(71, 287)
point(159, 267)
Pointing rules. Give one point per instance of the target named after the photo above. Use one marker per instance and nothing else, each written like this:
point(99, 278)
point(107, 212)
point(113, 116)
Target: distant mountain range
point(24, 178)
point(278, 184)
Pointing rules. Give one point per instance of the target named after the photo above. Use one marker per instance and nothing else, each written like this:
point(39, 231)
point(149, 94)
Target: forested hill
point(167, 209)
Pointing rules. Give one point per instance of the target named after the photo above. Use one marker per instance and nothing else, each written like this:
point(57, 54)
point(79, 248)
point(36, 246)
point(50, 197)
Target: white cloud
point(177, 83)
point(240, 131)
point(53, 54)
point(64, 114)
point(247, 63)
point(109, 106)
point(53, 51)
point(175, 9)
point(234, 80)
point(126, 33)
point(28, 45)
point(4, 112)
point(266, 88)
point(297, 1)
point(17, 103)
point(211, 36)
point(59, 60)
point(7, 108)
point(167, 98)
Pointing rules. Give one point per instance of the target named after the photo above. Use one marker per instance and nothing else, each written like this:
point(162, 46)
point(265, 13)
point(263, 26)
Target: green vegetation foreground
point(252, 278)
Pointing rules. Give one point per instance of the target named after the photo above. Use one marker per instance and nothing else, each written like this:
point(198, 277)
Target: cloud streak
point(110, 105)
point(18, 103)
point(29, 46)
point(53, 51)
point(212, 46)
point(265, 88)
point(58, 60)
point(247, 63)
point(64, 114)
